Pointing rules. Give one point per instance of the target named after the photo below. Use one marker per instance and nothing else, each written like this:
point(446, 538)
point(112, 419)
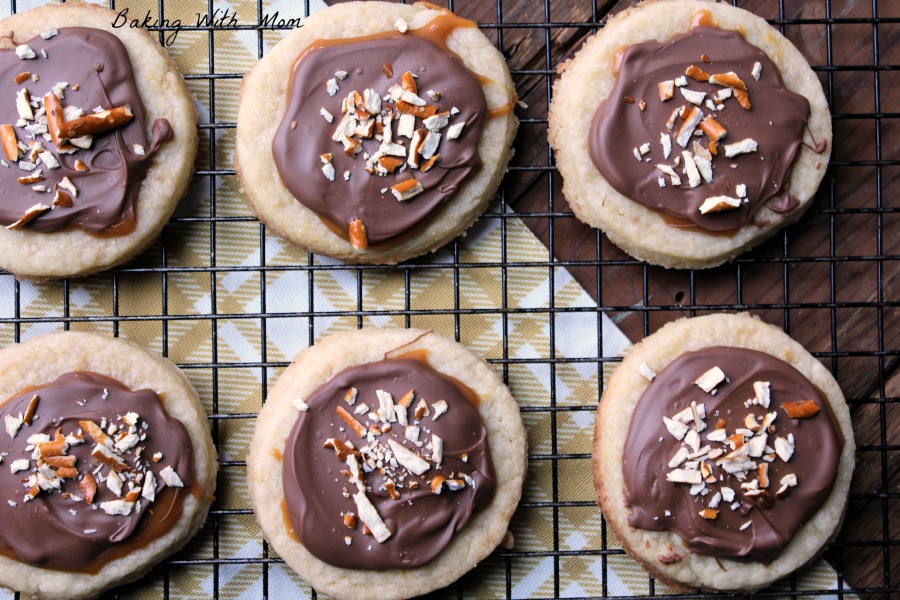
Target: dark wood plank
point(867, 525)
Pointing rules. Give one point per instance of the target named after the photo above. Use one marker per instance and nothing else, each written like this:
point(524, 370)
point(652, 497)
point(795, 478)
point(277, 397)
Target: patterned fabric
point(235, 327)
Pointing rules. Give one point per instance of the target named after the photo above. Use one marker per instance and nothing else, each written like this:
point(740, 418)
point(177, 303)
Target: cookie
point(106, 134)
point(386, 459)
point(375, 132)
point(689, 132)
point(723, 453)
point(108, 464)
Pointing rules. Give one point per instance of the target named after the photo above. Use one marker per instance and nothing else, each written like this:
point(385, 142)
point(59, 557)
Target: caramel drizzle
point(421, 355)
point(703, 18)
point(438, 31)
point(398, 352)
point(686, 225)
point(504, 109)
point(617, 61)
point(286, 517)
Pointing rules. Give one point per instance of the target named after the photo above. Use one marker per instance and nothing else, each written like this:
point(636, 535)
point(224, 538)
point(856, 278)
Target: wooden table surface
point(831, 280)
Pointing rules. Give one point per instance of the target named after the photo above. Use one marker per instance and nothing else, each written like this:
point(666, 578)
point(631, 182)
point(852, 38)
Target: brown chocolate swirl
point(58, 532)
point(421, 522)
point(776, 121)
point(661, 505)
point(304, 135)
point(98, 64)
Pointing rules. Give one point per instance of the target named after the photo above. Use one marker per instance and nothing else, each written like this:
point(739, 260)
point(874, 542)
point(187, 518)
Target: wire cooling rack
point(832, 280)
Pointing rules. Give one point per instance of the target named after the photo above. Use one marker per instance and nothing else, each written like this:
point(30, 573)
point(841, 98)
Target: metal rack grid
point(876, 450)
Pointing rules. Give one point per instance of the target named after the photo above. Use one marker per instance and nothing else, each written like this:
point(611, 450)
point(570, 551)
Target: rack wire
point(831, 281)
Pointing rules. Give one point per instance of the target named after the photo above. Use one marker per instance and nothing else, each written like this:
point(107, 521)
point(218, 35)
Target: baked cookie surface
point(715, 136)
point(451, 474)
point(107, 136)
point(109, 423)
point(731, 514)
point(386, 131)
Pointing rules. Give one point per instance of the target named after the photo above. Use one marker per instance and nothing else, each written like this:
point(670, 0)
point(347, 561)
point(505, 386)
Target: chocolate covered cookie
point(689, 131)
point(375, 132)
point(98, 138)
point(386, 459)
point(108, 465)
point(723, 453)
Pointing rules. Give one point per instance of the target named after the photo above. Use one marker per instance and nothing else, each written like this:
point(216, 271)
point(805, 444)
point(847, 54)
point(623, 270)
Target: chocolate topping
point(659, 504)
point(421, 522)
point(304, 135)
point(97, 63)
point(775, 120)
point(65, 533)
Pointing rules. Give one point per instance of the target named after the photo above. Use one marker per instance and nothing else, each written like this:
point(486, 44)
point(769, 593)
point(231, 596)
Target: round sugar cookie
point(89, 198)
point(689, 131)
point(408, 163)
point(94, 418)
point(769, 490)
point(388, 459)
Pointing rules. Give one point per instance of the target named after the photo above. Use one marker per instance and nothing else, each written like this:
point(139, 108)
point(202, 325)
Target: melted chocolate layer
point(649, 447)
point(775, 120)
point(44, 532)
point(97, 62)
point(422, 523)
point(297, 148)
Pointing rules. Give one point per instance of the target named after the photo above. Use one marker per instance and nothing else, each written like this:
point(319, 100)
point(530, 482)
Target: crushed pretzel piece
point(349, 419)
point(744, 146)
point(117, 507)
point(666, 89)
point(438, 408)
point(96, 123)
point(729, 79)
point(742, 97)
point(359, 239)
point(692, 477)
point(30, 215)
point(406, 190)
point(801, 409)
point(170, 477)
point(693, 117)
point(411, 461)
point(9, 142)
point(697, 73)
point(692, 96)
point(23, 105)
point(88, 487)
point(368, 514)
point(31, 410)
point(712, 128)
point(712, 377)
point(108, 457)
point(719, 203)
point(36, 175)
